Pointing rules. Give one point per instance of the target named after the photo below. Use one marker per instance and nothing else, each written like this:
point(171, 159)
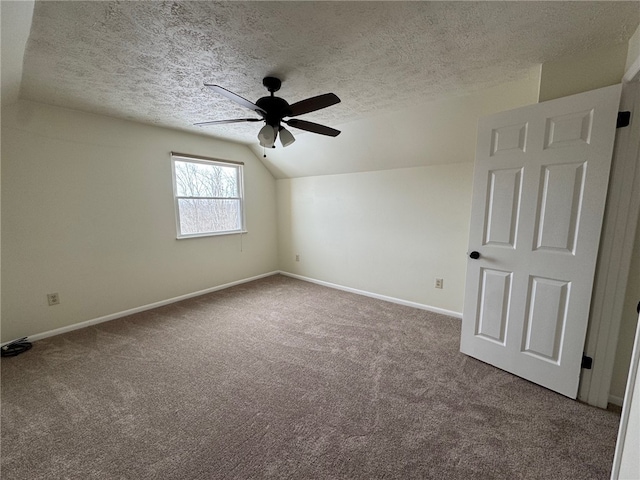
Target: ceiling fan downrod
point(272, 84)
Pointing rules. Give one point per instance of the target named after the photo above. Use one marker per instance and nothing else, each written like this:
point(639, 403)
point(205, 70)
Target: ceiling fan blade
point(236, 98)
point(312, 127)
point(234, 120)
point(314, 103)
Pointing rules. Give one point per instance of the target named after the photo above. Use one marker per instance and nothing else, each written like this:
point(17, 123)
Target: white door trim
point(618, 236)
point(630, 403)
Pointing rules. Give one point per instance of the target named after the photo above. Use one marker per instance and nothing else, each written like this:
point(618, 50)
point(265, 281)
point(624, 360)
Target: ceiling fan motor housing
point(276, 108)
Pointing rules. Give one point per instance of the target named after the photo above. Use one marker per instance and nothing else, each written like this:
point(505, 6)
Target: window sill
point(213, 234)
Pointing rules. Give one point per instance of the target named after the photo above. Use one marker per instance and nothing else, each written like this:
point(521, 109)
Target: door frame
point(618, 236)
point(627, 452)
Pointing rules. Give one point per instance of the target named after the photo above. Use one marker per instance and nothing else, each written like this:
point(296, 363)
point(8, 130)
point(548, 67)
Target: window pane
point(206, 216)
point(205, 180)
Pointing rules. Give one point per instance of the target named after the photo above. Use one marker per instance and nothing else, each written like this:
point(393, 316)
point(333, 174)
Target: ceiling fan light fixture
point(286, 138)
point(267, 136)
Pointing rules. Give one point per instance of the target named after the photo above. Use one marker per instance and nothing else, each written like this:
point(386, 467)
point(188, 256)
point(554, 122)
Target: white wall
point(392, 232)
point(389, 232)
point(88, 212)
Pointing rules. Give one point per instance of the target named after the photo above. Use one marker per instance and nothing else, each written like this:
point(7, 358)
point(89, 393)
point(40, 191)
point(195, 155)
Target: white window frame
point(183, 157)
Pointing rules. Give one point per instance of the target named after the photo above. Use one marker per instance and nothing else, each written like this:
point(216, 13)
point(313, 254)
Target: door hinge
point(624, 118)
point(587, 362)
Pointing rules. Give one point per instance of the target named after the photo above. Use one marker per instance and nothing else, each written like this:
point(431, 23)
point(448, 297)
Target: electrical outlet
point(439, 282)
point(297, 258)
point(53, 299)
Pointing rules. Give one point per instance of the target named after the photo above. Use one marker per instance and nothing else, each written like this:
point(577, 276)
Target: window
point(208, 195)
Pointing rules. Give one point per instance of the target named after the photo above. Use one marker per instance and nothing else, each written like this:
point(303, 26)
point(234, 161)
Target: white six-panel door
point(540, 185)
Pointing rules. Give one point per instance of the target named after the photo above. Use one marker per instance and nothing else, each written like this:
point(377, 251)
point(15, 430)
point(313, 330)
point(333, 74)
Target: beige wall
point(392, 232)
point(15, 23)
point(88, 212)
point(576, 74)
point(388, 232)
point(633, 52)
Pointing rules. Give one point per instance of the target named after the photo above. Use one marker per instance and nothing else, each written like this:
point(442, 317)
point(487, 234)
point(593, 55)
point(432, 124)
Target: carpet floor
point(280, 378)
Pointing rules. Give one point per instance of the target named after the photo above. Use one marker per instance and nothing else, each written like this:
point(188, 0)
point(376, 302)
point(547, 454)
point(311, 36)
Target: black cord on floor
point(15, 348)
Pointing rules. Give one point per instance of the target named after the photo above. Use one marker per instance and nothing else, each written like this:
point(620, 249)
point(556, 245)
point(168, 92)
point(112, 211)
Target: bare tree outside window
point(208, 196)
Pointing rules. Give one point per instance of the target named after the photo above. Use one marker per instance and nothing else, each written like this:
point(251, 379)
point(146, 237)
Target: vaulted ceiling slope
point(147, 61)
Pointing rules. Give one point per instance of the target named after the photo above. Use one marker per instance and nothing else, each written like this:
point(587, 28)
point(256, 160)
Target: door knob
point(475, 255)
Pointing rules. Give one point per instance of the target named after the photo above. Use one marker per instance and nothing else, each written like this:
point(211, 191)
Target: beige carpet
point(280, 378)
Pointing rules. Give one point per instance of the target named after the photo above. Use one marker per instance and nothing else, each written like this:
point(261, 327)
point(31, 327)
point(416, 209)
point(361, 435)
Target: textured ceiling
point(148, 61)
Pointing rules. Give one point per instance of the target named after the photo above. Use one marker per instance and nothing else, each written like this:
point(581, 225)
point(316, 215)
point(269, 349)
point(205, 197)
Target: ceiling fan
point(273, 111)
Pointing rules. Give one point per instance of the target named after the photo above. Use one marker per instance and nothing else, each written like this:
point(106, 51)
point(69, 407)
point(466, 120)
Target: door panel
point(509, 139)
point(504, 204)
point(495, 293)
point(568, 130)
point(540, 185)
point(560, 204)
point(546, 318)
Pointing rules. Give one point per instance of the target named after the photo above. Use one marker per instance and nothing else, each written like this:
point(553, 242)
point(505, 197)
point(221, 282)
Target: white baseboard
point(616, 400)
point(113, 316)
point(399, 301)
